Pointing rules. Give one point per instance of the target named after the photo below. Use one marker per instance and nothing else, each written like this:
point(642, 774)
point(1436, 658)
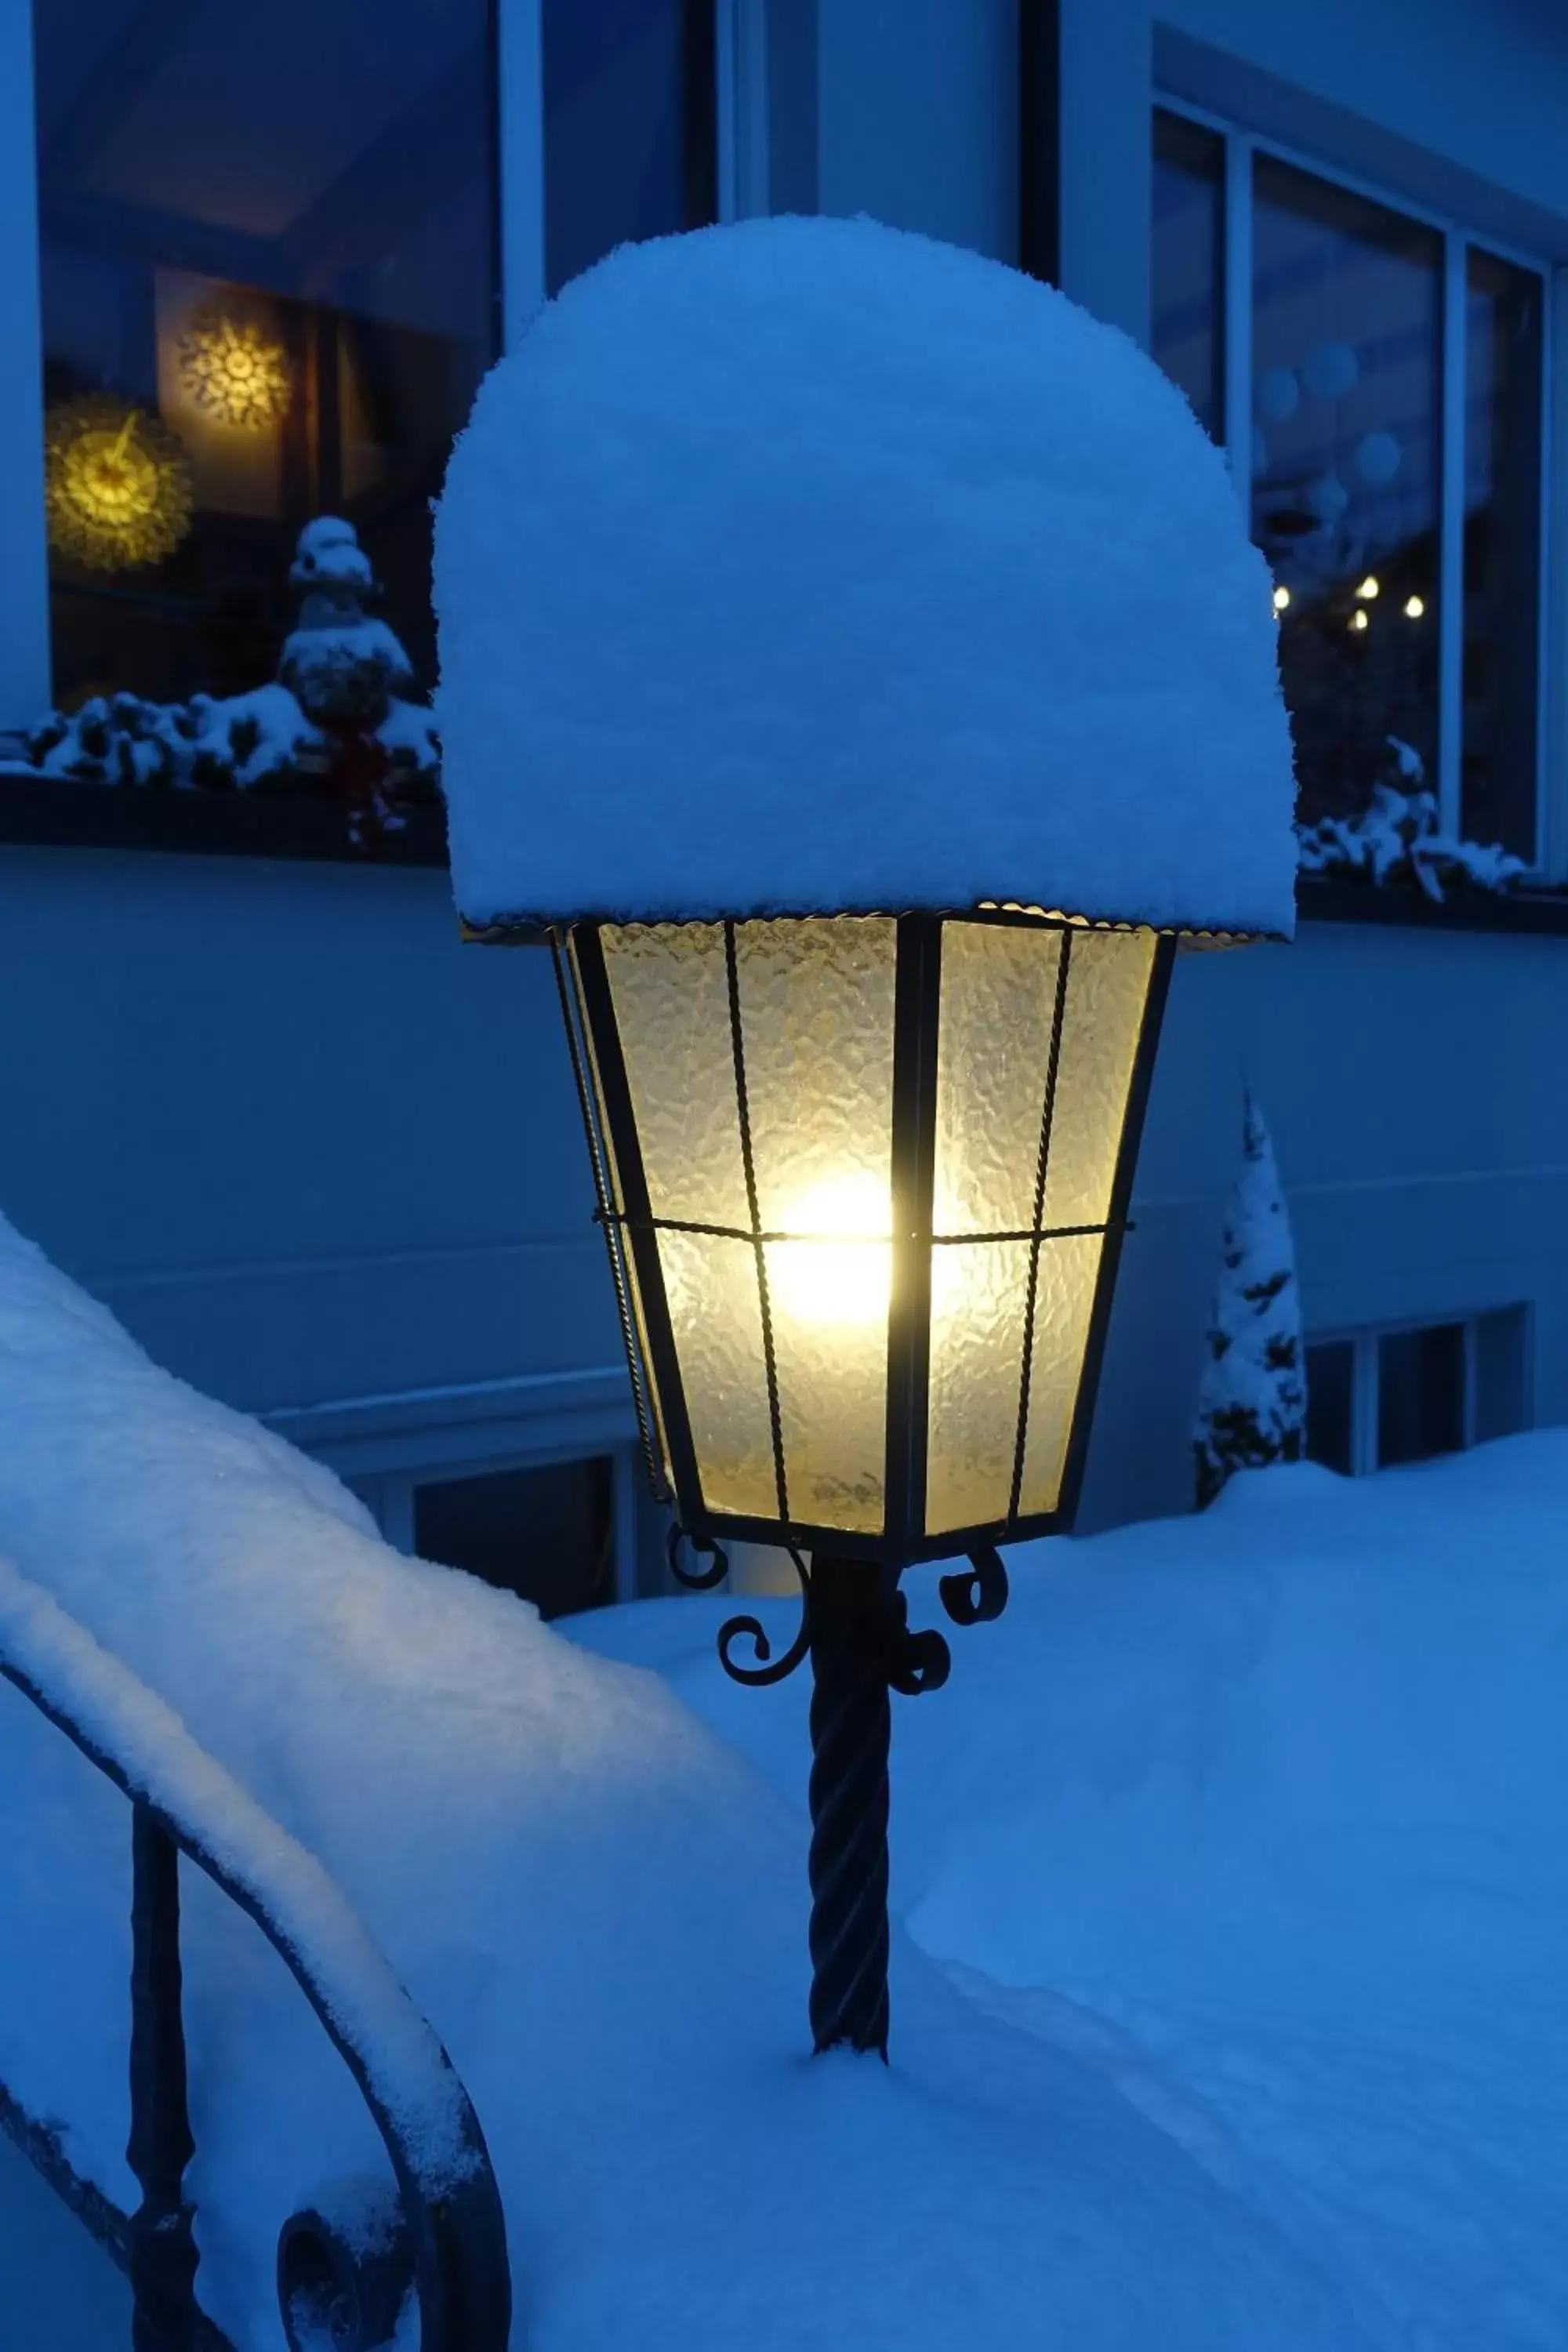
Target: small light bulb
point(1281, 598)
point(1414, 607)
point(1358, 620)
point(1369, 587)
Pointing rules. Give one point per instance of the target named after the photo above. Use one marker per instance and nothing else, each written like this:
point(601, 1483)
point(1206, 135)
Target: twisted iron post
point(853, 1616)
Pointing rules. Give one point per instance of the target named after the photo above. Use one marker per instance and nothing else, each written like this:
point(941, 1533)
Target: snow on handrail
point(431, 2132)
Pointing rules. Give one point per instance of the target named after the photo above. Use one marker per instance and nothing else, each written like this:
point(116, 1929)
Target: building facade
point(323, 1160)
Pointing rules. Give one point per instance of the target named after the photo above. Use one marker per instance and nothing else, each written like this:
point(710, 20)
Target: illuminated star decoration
point(117, 488)
point(234, 370)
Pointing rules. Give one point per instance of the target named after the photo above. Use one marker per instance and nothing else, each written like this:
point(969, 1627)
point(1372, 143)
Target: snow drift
point(599, 1907)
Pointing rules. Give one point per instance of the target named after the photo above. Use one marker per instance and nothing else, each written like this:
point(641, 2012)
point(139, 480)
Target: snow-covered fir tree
point(1252, 1402)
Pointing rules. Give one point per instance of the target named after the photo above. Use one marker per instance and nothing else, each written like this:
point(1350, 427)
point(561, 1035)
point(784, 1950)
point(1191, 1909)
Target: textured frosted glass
point(816, 1009)
point(619, 1241)
point(979, 1291)
point(1064, 1296)
point(672, 1009)
point(713, 1305)
point(998, 992)
point(1107, 989)
point(816, 1005)
point(998, 1000)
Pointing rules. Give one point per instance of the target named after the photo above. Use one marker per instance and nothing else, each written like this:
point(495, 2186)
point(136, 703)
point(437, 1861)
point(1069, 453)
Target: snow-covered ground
point(1226, 2018)
point(1263, 1816)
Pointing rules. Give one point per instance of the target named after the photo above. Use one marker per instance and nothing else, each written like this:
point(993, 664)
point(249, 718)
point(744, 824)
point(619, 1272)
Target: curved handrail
point(425, 2116)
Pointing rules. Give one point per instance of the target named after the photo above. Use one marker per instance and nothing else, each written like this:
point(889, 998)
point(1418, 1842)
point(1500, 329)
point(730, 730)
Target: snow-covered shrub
point(1252, 1401)
point(1399, 838)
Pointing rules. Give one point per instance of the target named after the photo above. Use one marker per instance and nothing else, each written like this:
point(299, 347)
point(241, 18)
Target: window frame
point(1364, 1341)
point(49, 811)
point(385, 1446)
point(1239, 145)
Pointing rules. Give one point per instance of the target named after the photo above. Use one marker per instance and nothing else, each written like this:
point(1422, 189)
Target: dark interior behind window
point(546, 1533)
point(313, 187)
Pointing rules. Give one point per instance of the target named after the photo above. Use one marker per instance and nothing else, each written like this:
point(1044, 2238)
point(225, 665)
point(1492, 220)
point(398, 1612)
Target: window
point(629, 127)
point(1378, 380)
point(271, 285)
point(563, 1535)
point(1378, 1398)
point(269, 278)
point(546, 1533)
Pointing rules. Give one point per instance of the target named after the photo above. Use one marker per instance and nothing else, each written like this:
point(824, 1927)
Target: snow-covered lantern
point(854, 664)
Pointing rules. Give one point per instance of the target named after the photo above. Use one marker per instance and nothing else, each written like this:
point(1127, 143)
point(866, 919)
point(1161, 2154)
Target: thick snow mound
point(806, 565)
point(598, 1907)
point(1266, 1813)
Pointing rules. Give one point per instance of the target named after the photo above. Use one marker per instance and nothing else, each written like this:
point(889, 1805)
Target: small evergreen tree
point(1252, 1402)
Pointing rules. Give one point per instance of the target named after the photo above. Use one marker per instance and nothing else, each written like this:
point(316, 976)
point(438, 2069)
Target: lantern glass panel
point(1107, 993)
point(625, 1264)
point(814, 1013)
point(1039, 1040)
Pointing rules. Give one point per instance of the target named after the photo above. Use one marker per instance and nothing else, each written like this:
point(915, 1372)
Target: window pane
point(1420, 1394)
point(628, 125)
point(1189, 211)
point(547, 1534)
point(1502, 550)
point(1347, 309)
point(1501, 1342)
point(1330, 1406)
point(267, 258)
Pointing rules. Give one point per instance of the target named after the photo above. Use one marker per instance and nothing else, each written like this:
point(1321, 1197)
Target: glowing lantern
point(866, 1179)
point(117, 488)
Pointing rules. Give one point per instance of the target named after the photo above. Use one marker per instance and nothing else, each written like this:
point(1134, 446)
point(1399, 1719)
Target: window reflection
point(1502, 550)
point(1347, 307)
point(1189, 199)
point(268, 292)
point(628, 125)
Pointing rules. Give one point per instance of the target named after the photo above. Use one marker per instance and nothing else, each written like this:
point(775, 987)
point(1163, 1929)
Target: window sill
point(50, 810)
point(1331, 899)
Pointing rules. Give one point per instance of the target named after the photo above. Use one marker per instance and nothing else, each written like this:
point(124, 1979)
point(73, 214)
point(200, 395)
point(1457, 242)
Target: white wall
point(1409, 1079)
point(303, 1140)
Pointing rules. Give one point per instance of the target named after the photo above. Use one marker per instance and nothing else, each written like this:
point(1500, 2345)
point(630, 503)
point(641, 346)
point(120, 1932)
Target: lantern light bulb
point(1282, 599)
point(1414, 607)
point(845, 1277)
point(1369, 587)
point(1358, 620)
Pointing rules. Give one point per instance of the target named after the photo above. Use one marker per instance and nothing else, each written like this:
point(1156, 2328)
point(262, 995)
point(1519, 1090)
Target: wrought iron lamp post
point(854, 666)
point(864, 1180)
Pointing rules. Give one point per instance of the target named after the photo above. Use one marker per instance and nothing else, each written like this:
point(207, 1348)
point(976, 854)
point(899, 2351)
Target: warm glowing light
point(1370, 587)
point(1358, 620)
point(1282, 599)
point(234, 370)
point(116, 488)
point(1414, 607)
point(847, 1276)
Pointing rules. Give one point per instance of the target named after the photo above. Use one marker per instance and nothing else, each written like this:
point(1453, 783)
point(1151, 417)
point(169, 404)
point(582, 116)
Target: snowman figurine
point(343, 665)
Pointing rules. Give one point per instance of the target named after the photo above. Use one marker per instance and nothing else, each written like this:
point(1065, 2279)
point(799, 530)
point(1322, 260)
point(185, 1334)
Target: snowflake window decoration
point(234, 370)
point(117, 486)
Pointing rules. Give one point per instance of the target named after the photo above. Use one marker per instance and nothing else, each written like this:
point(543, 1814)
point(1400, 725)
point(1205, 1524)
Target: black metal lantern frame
point(854, 1624)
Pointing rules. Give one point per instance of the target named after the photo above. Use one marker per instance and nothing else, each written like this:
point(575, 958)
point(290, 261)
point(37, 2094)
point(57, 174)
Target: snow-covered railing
point(341, 2279)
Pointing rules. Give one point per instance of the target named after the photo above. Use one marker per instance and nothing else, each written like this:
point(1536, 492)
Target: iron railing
point(341, 2281)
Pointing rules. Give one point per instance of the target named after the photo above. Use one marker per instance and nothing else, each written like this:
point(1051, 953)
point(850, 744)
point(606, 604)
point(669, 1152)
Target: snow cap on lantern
point(804, 565)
